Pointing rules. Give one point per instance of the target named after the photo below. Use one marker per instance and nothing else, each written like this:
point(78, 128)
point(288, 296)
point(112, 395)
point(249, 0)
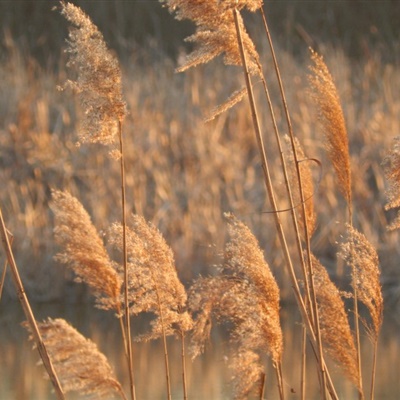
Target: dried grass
point(362, 257)
point(83, 250)
point(99, 79)
point(153, 284)
point(80, 366)
point(307, 187)
point(331, 115)
point(246, 294)
point(334, 323)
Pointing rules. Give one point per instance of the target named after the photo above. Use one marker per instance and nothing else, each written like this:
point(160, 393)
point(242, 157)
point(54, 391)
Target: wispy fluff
point(362, 257)
point(216, 35)
point(82, 250)
point(331, 115)
point(215, 31)
point(80, 366)
point(244, 293)
point(153, 284)
point(98, 81)
point(335, 328)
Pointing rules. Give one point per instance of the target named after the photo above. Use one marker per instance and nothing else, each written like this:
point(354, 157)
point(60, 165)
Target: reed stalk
point(183, 362)
point(127, 335)
point(3, 274)
point(303, 373)
point(337, 146)
point(164, 337)
point(262, 386)
point(28, 311)
point(100, 91)
point(373, 373)
point(308, 274)
point(271, 195)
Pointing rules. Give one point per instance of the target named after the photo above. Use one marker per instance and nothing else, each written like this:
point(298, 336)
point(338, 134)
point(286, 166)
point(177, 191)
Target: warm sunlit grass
point(183, 174)
point(179, 169)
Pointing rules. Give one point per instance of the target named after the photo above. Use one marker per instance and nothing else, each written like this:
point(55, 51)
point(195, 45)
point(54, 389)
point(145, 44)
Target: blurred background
point(183, 173)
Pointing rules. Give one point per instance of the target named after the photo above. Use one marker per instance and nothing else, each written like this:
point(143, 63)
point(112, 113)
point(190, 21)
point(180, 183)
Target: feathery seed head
point(362, 257)
point(245, 294)
point(83, 250)
point(248, 373)
point(331, 115)
point(216, 32)
point(98, 82)
point(77, 361)
point(335, 328)
point(153, 280)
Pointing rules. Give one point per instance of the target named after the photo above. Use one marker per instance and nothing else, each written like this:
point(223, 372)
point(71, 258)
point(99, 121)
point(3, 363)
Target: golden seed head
point(98, 81)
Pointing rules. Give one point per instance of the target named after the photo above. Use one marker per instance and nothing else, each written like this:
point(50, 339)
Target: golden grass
point(153, 285)
point(246, 294)
point(362, 257)
point(335, 328)
point(173, 172)
point(83, 250)
point(79, 364)
point(98, 84)
point(331, 115)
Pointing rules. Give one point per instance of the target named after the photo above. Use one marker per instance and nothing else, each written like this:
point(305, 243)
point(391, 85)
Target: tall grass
point(181, 177)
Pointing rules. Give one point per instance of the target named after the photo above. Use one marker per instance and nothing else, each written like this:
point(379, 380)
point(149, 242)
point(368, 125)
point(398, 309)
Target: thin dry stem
point(307, 187)
point(31, 321)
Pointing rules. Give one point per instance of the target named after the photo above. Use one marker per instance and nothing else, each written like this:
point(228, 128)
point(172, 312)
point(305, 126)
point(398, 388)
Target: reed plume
point(153, 284)
point(246, 294)
point(98, 83)
point(152, 270)
point(83, 250)
point(248, 373)
point(331, 115)
point(335, 328)
point(216, 35)
point(215, 30)
point(80, 366)
point(362, 257)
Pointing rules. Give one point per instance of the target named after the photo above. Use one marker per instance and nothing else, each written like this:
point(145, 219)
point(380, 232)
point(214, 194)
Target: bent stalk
point(28, 311)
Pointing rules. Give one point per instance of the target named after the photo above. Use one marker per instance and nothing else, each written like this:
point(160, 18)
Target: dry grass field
point(184, 173)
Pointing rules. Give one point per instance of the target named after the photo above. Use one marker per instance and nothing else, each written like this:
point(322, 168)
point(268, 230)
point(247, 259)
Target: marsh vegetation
point(247, 204)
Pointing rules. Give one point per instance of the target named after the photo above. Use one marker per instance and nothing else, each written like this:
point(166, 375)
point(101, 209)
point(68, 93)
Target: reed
point(81, 366)
point(99, 88)
point(245, 293)
point(140, 275)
